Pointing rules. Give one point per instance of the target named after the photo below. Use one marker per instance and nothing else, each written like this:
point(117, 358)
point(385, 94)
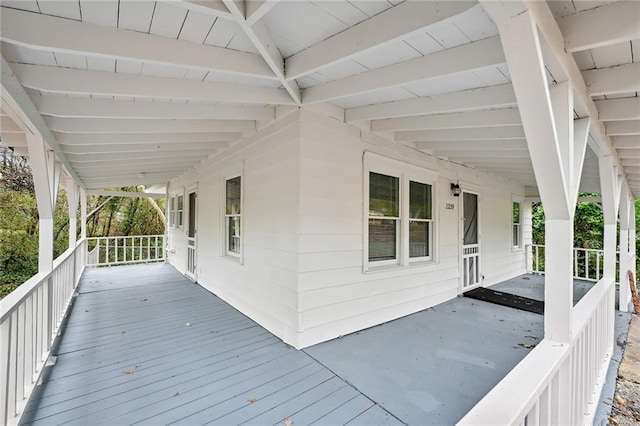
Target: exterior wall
point(337, 297)
point(302, 274)
point(263, 284)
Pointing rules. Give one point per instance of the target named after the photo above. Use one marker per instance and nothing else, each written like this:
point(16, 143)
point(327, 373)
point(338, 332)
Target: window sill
point(390, 268)
point(517, 249)
point(235, 259)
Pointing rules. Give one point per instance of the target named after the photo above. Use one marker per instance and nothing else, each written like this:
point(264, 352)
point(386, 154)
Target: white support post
point(526, 213)
point(83, 214)
point(72, 196)
point(557, 157)
point(610, 184)
point(44, 177)
point(632, 238)
point(626, 202)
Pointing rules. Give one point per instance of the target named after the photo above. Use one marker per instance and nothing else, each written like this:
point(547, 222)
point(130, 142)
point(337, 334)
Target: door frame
point(470, 189)
point(193, 189)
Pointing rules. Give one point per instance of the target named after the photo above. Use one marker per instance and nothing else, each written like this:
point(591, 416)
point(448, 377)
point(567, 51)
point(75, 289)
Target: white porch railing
point(557, 383)
point(110, 251)
point(30, 319)
point(588, 264)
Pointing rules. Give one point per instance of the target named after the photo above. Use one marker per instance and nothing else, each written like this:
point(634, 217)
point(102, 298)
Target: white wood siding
point(302, 272)
point(336, 296)
point(264, 286)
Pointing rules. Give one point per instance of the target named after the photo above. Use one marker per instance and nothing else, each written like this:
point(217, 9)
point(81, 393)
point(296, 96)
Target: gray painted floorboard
point(145, 345)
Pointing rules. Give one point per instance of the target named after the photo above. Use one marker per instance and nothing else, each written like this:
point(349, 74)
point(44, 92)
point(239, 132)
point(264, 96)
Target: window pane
point(418, 239)
point(233, 196)
point(516, 235)
point(180, 202)
point(382, 239)
point(419, 200)
point(383, 195)
point(173, 203)
point(233, 232)
point(516, 212)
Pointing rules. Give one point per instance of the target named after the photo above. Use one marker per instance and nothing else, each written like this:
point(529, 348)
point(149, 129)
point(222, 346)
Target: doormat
point(506, 299)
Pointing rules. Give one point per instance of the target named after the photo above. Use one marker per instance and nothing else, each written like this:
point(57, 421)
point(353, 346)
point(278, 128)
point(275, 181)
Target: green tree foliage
point(588, 225)
point(19, 220)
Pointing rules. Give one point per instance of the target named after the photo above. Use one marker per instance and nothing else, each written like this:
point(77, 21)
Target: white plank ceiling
point(127, 87)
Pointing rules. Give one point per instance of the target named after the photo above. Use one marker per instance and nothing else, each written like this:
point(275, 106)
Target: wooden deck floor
point(145, 345)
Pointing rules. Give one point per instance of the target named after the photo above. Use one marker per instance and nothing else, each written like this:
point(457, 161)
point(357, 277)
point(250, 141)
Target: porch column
point(610, 186)
point(632, 238)
point(625, 293)
point(46, 175)
point(83, 213)
point(72, 196)
point(557, 146)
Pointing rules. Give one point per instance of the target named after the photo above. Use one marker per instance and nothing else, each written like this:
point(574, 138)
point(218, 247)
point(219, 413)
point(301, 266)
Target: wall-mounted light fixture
point(455, 189)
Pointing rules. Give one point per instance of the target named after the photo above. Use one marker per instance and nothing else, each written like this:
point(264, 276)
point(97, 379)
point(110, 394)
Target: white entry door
point(471, 274)
point(192, 206)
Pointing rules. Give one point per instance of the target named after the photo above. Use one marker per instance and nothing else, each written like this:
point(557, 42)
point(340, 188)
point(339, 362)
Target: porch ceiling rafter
point(458, 120)
point(471, 155)
point(613, 80)
point(168, 147)
point(49, 33)
point(143, 138)
point(393, 24)
point(143, 125)
point(501, 96)
point(628, 141)
point(261, 39)
point(144, 155)
point(623, 128)
point(618, 109)
point(60, 106)
point(257, 9)
point(15, 100)
point(126, 194)
point(210, 7)
point(469, 134)
point(82, 82)
point(495, 145)
point(468, 57)
point(609, 24)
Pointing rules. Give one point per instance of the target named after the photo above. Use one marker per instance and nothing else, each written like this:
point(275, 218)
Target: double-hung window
point(420, 220)
point(384, 218)
point(180, 211)
point(517, 225)
point(400, 215)
point(172, 211)
point(233, 216)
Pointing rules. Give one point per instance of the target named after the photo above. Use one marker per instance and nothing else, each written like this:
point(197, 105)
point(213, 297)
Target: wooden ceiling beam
point(143, 138)
point(472, 56)
point(487, 118)
point(394, 24)
point(603, 26)
point(61, 106)
point(82, 82)
point(613, 80)
point(470, 134)
point(466, 100)
point(50, 33)
point(117, 125)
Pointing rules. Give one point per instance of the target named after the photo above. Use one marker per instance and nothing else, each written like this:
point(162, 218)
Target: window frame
point(406, 173)
point(179, 211)
point(172, 211)
point(226, 217)
point(519, 246)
